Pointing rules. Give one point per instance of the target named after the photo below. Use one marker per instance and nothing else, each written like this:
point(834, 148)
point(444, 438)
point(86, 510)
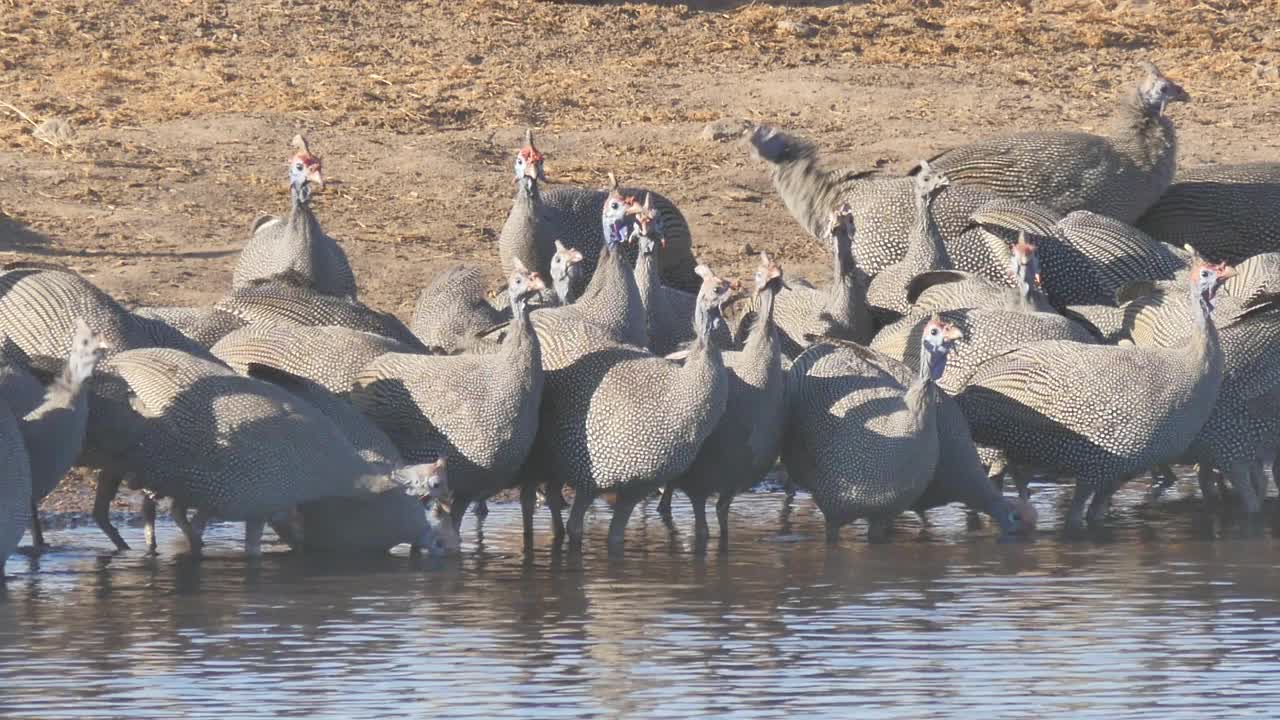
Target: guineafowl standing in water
point(607, 423)
point(744, 445)
point(1120, 175)
point(295, 242)
point(480, 411)
point(231, 447)
point(15, 486)
point(864, 445)
point(54, 431)
point(1102, 413)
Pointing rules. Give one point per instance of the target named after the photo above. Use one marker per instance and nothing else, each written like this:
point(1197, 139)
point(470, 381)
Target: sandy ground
point(139, 140)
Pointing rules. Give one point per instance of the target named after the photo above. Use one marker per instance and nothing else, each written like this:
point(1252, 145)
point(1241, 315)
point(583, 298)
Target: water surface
point(1175, 613)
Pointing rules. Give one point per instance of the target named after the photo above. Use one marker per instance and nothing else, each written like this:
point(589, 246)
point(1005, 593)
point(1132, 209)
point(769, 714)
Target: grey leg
point(577, 515)
point(528, 503)
point(1258, 474)
point(253, 537)
point(458, 509)
point(664, 505)
point(622, 509)
point(878, 529)
point(149, 522)
point(1075, 516)
point(195, 538)
point(1238, 476)
point(1022, 481)
point(833, 532)
point(1208, 483)
point(555, 503)
point(722, 514)
point(1162, 478)
point(701, 531)
point(37, 531)
point(108, 486)
point(481, 509)
point(1101, 504)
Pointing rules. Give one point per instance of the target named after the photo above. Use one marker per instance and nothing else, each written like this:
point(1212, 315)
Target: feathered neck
point(809, 192)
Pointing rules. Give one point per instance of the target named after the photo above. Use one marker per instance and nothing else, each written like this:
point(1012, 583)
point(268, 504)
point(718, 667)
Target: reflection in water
point(1173, 613)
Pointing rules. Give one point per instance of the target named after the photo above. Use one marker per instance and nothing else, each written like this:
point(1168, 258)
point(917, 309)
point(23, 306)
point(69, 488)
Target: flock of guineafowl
point(1050, 303)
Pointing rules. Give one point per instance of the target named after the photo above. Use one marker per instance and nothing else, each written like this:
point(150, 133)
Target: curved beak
point(952, 334)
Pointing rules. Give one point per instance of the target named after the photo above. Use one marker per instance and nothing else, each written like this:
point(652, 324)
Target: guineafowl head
point(1024, 266)
point(714, 293)
point(522, 284)
point(770, 144)
point(566, 270)
point(929, 182)
point(428, 481)
point(304, 168)
point(648, 226)
point(87, 349)
point(935, 342)
point(1206, 278)
point(1155, 91)
point(840, 230)
point(618, 216)
point(768, 274)
point(528, 165)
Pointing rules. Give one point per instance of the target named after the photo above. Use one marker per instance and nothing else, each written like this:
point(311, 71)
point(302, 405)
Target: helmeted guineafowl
point(329, 355)
point(15, 486)
point(887, 291)
point(54, 431)
point(1101, 413)
point(289, 299)
point(363, 524)
point(229, 446)
point(480, 411)
point(540, 215)
point(744, 446)
point(960, 475)
point(864, 445)
point(881, 209)
point(617, 419)
point(40, 303)
point(1085, 258)
point(668, 311)
point(1226, 212)
point(952, 289)
point(839, 310)
point(454, 309)
point(1119, 175)
point(295, 242)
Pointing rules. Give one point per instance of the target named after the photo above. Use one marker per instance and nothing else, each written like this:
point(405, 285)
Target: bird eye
point(519, 160)
point(933, 332)
point(298, 166)
point(613, 206)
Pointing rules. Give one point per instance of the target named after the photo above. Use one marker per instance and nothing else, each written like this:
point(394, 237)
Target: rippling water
point(1174, 613)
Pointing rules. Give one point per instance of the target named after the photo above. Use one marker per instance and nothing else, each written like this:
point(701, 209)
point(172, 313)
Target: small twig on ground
point(19, 113)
